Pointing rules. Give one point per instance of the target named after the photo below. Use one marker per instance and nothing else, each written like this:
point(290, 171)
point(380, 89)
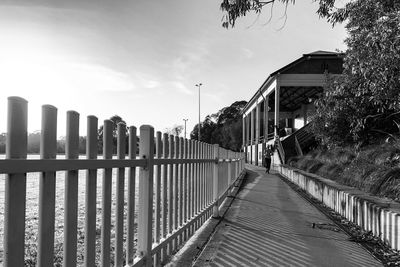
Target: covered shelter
point(282, 106)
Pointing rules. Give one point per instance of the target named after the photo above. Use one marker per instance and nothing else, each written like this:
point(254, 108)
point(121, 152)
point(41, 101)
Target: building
point(279, 111)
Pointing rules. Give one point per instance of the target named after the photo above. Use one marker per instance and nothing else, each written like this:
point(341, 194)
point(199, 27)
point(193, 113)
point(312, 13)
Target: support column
point(277, 99)
point(266, 117)
point(252, 127)
point(246, 138)
point(251, 136)
point(257, 132)
point(305, 114)
point(244, 132)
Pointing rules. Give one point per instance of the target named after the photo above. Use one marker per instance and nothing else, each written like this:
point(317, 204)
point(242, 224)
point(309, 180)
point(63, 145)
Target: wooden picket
point(179, 188)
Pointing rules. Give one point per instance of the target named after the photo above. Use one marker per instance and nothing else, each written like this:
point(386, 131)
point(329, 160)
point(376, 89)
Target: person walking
point(267, 156)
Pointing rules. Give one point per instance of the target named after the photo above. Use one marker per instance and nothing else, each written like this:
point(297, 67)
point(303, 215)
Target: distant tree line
point(223, 128)
point(34, 140)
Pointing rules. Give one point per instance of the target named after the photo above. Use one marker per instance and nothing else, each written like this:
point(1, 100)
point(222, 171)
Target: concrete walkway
point(269, 224)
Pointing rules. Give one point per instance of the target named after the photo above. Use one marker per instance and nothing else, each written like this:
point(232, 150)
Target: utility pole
point(199, 136)
point(185, 126)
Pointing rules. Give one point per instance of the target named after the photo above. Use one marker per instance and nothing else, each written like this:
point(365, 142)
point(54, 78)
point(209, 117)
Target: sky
point(141, 59)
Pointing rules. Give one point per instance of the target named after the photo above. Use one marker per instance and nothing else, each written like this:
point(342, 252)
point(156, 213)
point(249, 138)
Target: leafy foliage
point(223, 128)
point(364, 102)
point(235, 9)
point(115, 119)
point(174, 130)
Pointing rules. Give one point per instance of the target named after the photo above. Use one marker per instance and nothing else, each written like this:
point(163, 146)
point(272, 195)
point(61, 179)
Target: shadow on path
point(268, 224)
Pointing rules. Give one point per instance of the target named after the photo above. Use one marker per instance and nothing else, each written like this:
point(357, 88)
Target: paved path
point(269, 224)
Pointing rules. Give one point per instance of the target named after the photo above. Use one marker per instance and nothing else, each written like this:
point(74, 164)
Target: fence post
point(185, 186)
point(229, 173)
point(170, 191)
point(197, 155)
point(131, 197)
point(164, 193)
point(106, 195)
point(215, 182)
point(47, 188)
point(120, 184)
point(176, 190)
point(15, 184)
point(157, 211)
point(145, 217)
point(181, 183)
point(71, 191)
point(91, 187)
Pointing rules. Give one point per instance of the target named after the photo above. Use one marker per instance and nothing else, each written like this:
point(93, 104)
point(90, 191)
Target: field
point(31, 218)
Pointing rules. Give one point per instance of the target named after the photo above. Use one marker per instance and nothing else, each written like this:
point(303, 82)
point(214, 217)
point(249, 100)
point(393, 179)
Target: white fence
point(380, 216)
point(181, 183)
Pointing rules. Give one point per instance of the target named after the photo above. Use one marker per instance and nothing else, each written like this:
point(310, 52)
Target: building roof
point(322, 55)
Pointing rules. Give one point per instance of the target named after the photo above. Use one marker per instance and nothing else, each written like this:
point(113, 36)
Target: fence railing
point(181, 184)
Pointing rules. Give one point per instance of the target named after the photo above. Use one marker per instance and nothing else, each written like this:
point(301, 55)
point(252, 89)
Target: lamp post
point(199, 85)
point(185, 126)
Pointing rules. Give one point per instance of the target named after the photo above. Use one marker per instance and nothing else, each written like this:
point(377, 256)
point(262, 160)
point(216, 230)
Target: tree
point(115, 119)
point(34, 142)
point(364, 102)
point(235, 9)
point(223, 128)
point(3, 137)
point(207, 128)
point(175, 130)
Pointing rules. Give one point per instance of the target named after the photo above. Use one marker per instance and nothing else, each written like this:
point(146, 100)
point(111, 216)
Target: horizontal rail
point(180, 184)
point(8, 166)
point(50, 165)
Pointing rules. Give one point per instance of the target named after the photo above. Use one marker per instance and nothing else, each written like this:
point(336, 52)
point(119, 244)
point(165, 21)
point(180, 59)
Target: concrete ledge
point(381, 216)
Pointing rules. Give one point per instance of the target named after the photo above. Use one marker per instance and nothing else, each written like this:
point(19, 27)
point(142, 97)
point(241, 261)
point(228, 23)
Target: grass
point(31, 218)
point(374, 169)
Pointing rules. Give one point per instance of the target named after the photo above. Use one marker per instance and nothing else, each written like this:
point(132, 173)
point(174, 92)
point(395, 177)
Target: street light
point(185, 126)
point(199, 85)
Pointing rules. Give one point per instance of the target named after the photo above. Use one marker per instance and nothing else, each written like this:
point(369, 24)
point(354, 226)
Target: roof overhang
point(291, 80)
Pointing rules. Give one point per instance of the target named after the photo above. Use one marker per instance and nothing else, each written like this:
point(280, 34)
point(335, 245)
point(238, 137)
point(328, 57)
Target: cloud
point(192, 57)
point(181, 87)
point(247, 53)
point(151, 84)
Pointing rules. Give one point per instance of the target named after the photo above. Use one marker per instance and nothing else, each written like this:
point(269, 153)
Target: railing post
point(215, 182)
point(71, 191)
point(190, 184)
point(170, 191)
point(91, 187)
point(157, 196)
point(185, 186)
point(192, 180)
point(181, 188)
point(130, 240)
point(106, 195)
point(229, 172)
point(198, 165)
point(157, 191)
point(47, 188)
point(15, 184)
point(176, 190)
point(209, 174)
point(120, 184)
point(164, 193)
point(146, 194)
